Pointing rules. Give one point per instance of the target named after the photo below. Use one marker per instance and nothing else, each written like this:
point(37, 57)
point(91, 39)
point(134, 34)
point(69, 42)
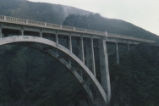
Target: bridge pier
point(89, 54)
point(22, 31)
point(82, 50)
point(104, 68)
point(93, 58)
point(86, 44)
point(117, 54)
point(57, 38)
point(70, 43)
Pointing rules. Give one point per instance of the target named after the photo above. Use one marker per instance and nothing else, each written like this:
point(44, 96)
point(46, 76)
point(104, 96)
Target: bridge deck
point(32, 23)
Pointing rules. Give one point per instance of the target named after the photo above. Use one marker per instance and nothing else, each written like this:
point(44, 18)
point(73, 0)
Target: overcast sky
point(143, 13)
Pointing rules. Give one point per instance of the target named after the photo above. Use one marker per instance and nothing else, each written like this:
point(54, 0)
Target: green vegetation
point(97, 22)
point(37, 11)
point(29, 77)
point(60, 14)
point(134, 82)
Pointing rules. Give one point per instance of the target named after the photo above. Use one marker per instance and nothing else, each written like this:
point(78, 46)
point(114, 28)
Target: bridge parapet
point(47, 25)
point(111, 35)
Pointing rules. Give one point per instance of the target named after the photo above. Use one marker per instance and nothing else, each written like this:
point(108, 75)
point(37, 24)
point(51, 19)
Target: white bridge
point(82, 51)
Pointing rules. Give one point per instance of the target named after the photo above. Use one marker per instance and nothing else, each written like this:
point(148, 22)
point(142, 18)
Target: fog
point(142, 13)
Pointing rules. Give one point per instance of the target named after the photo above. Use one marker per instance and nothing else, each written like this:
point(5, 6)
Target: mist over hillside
point(53, 13)
point(60, 14)
point(39, 80)
point(97, 22)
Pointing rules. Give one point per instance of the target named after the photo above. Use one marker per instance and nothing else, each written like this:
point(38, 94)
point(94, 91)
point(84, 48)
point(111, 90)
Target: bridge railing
point(31, 22)
point(67, 27)
point(111, 35)
point(14, 20)
point(81, 29)
point(47, 25)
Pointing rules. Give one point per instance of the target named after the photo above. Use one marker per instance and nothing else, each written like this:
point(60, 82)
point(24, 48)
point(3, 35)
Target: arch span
point(33, 39)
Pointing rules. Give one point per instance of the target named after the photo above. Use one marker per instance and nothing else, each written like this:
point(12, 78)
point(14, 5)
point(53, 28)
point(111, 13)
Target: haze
point(143, 13)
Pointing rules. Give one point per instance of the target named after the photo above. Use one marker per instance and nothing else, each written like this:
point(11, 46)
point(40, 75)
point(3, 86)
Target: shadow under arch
point(52, 44)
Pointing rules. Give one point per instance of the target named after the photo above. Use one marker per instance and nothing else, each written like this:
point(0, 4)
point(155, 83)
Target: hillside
point(39, 80)
point(35, 81)
point(60, 14)
point(38, 11)
point(97, 22)
point(30, 78)
point(135, 81)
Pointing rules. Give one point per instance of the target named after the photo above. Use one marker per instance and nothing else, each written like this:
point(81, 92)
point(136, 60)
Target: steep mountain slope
point(60, 14)
point(135, 80)
point(33, 81)
point(38, 11)
point(97, 22)
point(29, 77)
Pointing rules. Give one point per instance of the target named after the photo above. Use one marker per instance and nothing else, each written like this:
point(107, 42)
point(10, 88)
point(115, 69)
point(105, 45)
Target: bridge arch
point(58, 47)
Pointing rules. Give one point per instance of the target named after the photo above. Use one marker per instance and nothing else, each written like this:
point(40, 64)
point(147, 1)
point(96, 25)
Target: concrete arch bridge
point(83, 52)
